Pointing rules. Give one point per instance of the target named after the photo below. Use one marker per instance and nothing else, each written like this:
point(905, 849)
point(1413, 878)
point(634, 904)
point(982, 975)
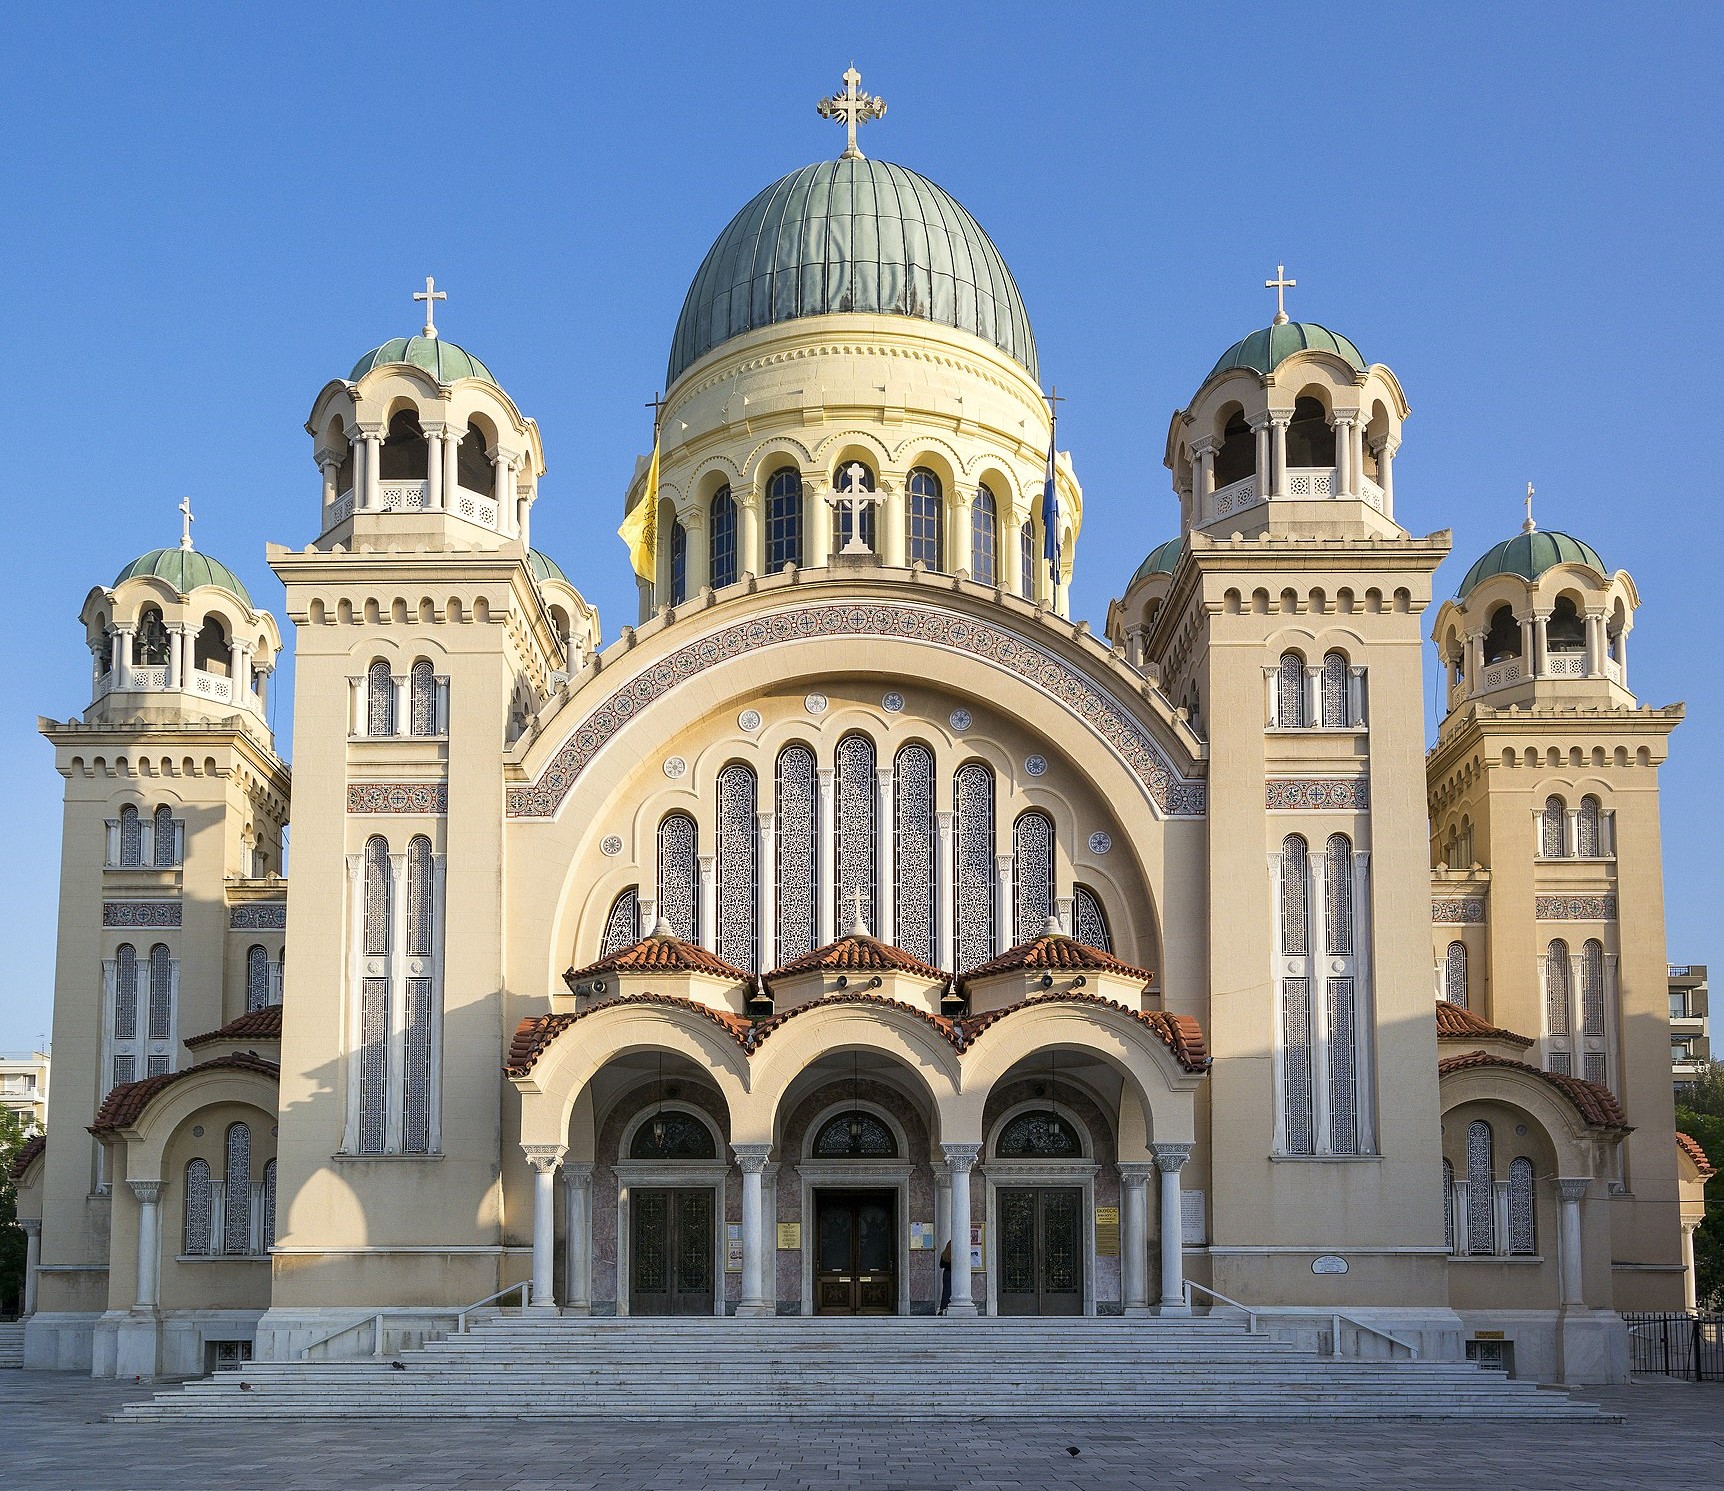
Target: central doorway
point(1041, 1250)
point(671, 1251)
point(855, 1261)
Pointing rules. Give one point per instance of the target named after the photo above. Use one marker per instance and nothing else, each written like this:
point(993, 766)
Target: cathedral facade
point(855, 932)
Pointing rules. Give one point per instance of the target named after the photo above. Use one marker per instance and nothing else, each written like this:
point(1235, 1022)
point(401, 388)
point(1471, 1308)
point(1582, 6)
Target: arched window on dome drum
point(1334, 690)
point(783, 519)
point(841, 518)
point(210, 652)
point(1586, 835)
point(1448, 1205)
point(1089, 920)
point(797, 876)
point(269, 1206)
point(131, 838)
point(984, 538)
point(374, 999)
point(1040, 1134)
point(150, 649)
point(672, 1136)
point(926, 518)
point(200, 1209)
point(1027, 561)
point(973, 885)
point(738, 868)
point(161, 993)
point(1455, 975)
point(1503, 637)
point(721, 540)
point(913, 850)
point(256, 979)
point(1481, 1189)
point(857, 834)
point(1556, 987)
point(473, 467)
point(623, 924)
point(1032, 874)
point(1553, 838)
point(856, 1135)
point(1522, 1225)
point(165, 850)
point(406, 454)
point(678, 897)
point(1565, 630)
point(678, 564)
point(236, 1188)
point(421, 990)
point(1310, 436)
point(379, 700)
point(422, 698)
point(1290, 711)
point(1236, 458)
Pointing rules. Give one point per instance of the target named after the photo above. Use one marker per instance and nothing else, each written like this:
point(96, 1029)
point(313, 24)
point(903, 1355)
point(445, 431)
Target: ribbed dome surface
point(1264, 351)
point(1529, 555)
point(852, 235)
point(185, 570)
point(1160, 560)
point(544, 567)
point(441, 358)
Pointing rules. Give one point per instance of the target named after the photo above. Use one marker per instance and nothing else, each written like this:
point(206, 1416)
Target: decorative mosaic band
point(260, 916)
point(1574, 908)
point(1466, 911)
point(398, 797)
point(140, 913)
point(1350, 794)
point(1177, 796)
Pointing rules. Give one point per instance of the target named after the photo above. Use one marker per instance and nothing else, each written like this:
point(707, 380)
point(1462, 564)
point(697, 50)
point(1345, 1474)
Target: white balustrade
point(1303, 483)
point(403, 496)
point(1311, 482)
point(1236, 497)
point(1501, 675)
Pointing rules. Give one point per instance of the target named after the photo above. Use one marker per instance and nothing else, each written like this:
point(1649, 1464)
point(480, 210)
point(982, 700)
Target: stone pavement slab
point(54, 1436)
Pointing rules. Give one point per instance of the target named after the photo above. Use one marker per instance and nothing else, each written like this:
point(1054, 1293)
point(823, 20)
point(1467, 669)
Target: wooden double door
point(1041, 1249)
point(671, 1245)
point(856, 1252)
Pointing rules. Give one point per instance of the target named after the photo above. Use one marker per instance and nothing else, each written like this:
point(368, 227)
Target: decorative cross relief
point(853, 108)
point(858, 499)
point(430, 294)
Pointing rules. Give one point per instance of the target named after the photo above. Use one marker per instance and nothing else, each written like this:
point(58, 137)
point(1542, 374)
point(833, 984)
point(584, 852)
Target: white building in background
point(24, 1086)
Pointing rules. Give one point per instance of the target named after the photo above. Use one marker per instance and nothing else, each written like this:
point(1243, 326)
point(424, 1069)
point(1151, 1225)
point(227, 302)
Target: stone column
point(328, 465)
point(885, 920)
point(503, 489)
point(1011, 552)
point(818, 523)
point(33, 1259)
point(752, 1159)
point(750, 556)
point(1573, 1272)
point(451, 467)
point(891, 520)
point(1356, 696)
point(697, 554)
point(960, 1161)
point(1594, 644)
point(828, 889)
point(1134, 1237)
point(1264, 473)
point(1169, 1160)
point(1540, 644)
point(767, 875)
point(1386, 473)
point(1622, 656)
point(1475, 664)
point(178, 663)
point(942, 1212)
point(1314, 694)
point(1003, 929)
point(1526, 646)
point(1203, 478)
point(578, 1227)
point(544, 1158)
point(943, 888)
point(1278, 456)
point(434, 441)
point(1346, 474)
point(123, 655)
point(709, 902)
point(263, 672)
point(960, 520)
point(356, 444)
point(149, 1194)
point(373, 440)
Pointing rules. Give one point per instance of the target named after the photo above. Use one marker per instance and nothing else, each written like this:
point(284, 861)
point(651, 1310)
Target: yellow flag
point(640, 527)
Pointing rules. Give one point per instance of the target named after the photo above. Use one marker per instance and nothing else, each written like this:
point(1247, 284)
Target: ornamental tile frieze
point(1348, 794)
point(398, 797)
point(140, 913)
point(1459, 911)
point(1175, 795)
point(260, 916)
point(1574, 908)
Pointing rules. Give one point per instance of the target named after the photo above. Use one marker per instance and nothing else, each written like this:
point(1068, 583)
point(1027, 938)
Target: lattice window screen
point(1522, 1238)
point(379, 700)
point(1296, 1028)
point(1343, 1067)
point(738, 868)
point(1032, 874)
point(678, 897)
point(1455, 974)
point(420, 897)
point(256, 978)
point(376, 896)
point(161, 993)
point(856, 833)
point(237, 1223)
point(1448, 1205)
point(1290, 695)
point(1556, 987)
point(131, 838)
point(797, 877)
point(1592, 1021)
point(1586, 829)
point(1295, 898)
point(913, 849)
point(1338, 908)
point(1481, 1192)
point(416, 1073)
point(1554, 835)
point(199, 1209)
point(126, 993)
point(422, 698)
point(1089, 920)
point(1334, 689)
point(623, 925)
point(973, 885)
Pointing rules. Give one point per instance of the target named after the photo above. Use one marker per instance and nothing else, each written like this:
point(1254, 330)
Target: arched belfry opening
point(406, 454)
point(1236, 458)
point(1310, 436)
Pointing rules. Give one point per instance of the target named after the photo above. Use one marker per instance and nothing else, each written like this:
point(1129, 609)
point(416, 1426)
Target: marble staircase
point(11, 1344)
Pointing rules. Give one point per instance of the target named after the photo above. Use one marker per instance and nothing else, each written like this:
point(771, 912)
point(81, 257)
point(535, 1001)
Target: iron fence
point(1669, 1344)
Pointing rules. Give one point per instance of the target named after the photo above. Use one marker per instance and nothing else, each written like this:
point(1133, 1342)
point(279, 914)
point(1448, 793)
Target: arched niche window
point(1297, 1025)
point(857, 833)
point(238, 1191)
point(1032, 874)
point(1310, 436)
point(1027, 561)
point(150, 648)
point(678, 564)
point(166, 836)
point(678, 897)
point(913, 849)
point(1455, 975)
point(422, 698)
point(210, 653)
point(131, 838)
point(473, 467)
point(842, 479)
point(783, 519)
point(1556, 987)
point(161, 993)
point(1089, 920)
point(797, 869)
point(738, 868)
point(925, 518)
point(1586, 823)
point(1333, 687)
point(1522, 1223)
point(406, 454)
point(256, 978)
point(125, 993)
point(672, 1135)
point(379, 699)
point(1503, 638)
point(1565, 630)
point(856, 1135)
point(200, 1209)
point(973, 885)
point(721, 539)
point(420, 990)
point(623, 924)
point(1290, 711)
point(1553, 833)
point(421, 869)
point(1295, 929)
point(1040, 1134)
point(376, 896)
point(984, 538)
point(1481, 1190)
point(1236, 457)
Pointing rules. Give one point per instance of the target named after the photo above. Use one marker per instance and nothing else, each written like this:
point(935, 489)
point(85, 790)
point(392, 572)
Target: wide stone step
point(11, 1345)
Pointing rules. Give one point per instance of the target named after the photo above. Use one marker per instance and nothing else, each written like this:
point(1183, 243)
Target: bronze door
point(671, 1243)
point(1041, 1250)
point(856, 1253)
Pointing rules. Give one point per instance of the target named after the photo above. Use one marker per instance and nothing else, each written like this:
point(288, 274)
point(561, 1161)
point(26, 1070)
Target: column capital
point(1571, 1189)
point(1203, 445)
point(544, 1157)
point(580, 1173)
point(1134, 1175)
point(960, 1158)
point(1170, 1156)
point(883, 775)
point(149, 1192)
point(32, 1226)
point(765, 821)
point(751, 1158)
point(1003, 863)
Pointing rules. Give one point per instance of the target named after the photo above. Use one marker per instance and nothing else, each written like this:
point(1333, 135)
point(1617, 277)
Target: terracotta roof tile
point(1689, 1146)
point(659, 953)
point(947, 1028)
point(255, 1025)
point(533, 1036)
point(1181, 1033)
point(858, 953)
point(32, 1148)
point(125, 1103)
point(1457, 1024)
point(1054, 951)
point(1597, 1105)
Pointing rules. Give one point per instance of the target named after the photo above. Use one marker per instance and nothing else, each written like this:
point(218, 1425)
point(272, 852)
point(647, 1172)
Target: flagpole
point(1051, 501)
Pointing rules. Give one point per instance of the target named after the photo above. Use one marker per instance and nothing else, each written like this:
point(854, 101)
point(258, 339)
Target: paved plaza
point(54, 1437)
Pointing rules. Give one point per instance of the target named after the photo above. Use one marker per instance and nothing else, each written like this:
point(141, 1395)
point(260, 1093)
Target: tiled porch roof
point(1055, 952)
point(254, 1025)
point(1457, 1024)
point(1182, 1035)
point(1687, 1143)
point(123, 1106)
point(33, 1147)
point(858, 953)
point(1596, 1104)
point(659, 953)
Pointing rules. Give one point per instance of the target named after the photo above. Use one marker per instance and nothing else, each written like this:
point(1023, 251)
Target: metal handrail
point(1252, 1315)
point(489, 1299)
point(1216, 1294)
point(373, 1320)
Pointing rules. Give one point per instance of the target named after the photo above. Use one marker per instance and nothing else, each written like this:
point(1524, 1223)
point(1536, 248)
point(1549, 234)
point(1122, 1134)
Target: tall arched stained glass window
point(422, 698)
point(973, 885)
point(721, 539)
point(926, 519)
point(1554, 839)
point(269, 1206)
point(1338, 889)
point(1089, 920)
point(678, 564)
point(1448, 1205)
point(1522, 1225)
point(678, 896)
point(131, 838)
point(1556, 987)
point(1290, 710)
point(256, 978)
point(1032, 874)
point(237, 1191)
point(1334, 690)
point(856, 834)
point(623, 925)
point(379, 699)
point(421, 991)
point(374, 999)
point(1481, 1189)
point(125, 992)
point(783, 519)
point(1027, 561)
point(913, 849)
point(161, 993)
point(1455, 975)
point(984, 538)
point(797, 876)
point(165, 848)
point(1592, 1020)
point(738, 868)
point(1586, 834)
point(200, 1209)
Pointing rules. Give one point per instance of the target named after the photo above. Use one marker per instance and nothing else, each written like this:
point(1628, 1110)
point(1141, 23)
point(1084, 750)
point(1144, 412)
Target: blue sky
point(211, 210)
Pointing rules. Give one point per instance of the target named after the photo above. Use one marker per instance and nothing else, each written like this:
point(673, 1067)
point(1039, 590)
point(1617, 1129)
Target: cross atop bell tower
point(853, 107)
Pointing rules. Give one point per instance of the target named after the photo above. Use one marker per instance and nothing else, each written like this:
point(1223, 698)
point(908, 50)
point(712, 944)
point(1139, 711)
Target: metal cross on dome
point(1280, 285)
point(430, 295)
point(853, 107)
point(186, 521)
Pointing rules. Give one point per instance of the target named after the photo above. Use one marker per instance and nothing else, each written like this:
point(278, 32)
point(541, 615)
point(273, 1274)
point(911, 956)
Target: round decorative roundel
point(961, 719)
point(748, 720)
point(1100, 843)
point(1036, 766)
point(816, 703)
point(197, 1131)
point(893, 703)
point(675, 767)
point(611, 844)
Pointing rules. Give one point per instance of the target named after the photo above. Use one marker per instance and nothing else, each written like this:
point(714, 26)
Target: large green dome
point(441, 358)
point(1264, 351)
point(852, 235)
point(185, 570)
point(1529, 555)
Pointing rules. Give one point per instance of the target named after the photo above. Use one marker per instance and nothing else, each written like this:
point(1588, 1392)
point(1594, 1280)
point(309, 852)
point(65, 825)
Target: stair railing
point(1253, 1315)
point(374, 1321)
point(1216, 1295)
point(490, 1299)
